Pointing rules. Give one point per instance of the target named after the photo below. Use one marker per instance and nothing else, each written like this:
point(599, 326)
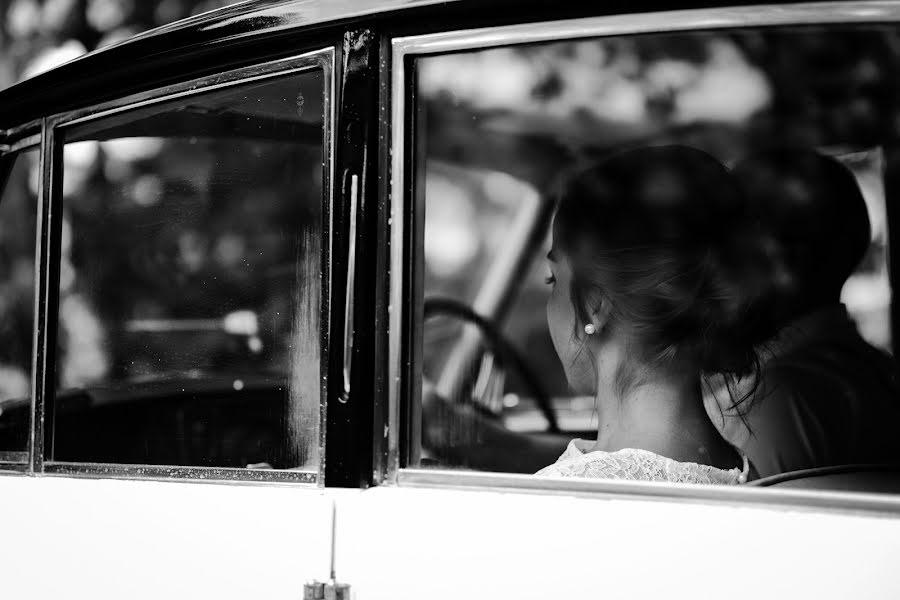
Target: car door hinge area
point(330, 590)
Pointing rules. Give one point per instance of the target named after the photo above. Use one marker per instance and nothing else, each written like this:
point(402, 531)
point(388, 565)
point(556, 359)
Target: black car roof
point(120, 67)
point(241, 33)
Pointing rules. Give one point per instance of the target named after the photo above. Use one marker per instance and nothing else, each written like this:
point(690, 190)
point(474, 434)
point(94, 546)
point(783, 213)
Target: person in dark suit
point(826, 397)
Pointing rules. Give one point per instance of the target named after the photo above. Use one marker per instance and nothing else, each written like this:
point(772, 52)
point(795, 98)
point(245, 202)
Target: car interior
point(492, 395)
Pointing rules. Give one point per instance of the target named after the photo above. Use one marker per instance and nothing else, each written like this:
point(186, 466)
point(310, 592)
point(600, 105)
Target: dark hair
point(814, 212)
point(656, 233)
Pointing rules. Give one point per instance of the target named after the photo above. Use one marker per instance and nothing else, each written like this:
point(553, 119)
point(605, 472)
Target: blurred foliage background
point(36, 35)
point(502, 122)
point(221, 218)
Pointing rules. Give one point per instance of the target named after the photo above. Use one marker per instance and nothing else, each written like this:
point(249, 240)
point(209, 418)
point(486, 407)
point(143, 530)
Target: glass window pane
point(18, 226)
point(500, 134)
point(190, 281)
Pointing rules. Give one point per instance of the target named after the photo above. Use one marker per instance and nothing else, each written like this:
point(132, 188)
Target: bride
point(646, 270)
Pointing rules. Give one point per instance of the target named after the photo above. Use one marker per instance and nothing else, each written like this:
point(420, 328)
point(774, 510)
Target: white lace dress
point(637, 465)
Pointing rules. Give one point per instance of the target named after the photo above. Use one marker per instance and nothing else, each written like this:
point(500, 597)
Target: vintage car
point(238, 251)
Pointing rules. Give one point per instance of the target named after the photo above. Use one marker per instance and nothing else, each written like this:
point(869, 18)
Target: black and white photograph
point(449, 299)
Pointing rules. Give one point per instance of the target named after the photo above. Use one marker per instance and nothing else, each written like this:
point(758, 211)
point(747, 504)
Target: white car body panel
point(112, 539)
point(81, 538)
point(442, 544)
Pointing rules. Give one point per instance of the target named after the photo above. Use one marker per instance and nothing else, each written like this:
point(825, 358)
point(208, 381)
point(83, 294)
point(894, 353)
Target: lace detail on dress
point(638, 465)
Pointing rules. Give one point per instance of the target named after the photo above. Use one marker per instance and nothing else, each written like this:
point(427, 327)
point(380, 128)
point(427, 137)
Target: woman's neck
point(665, 416)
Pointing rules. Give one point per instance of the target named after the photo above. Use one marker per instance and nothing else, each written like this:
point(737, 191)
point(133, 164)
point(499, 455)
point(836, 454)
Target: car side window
point(496, 130)
point(191, 280)
point(19, 178)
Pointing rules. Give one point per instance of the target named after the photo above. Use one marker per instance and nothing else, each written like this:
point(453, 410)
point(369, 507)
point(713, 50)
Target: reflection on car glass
point(18, 226)
point(190, 279)
point(503, 126)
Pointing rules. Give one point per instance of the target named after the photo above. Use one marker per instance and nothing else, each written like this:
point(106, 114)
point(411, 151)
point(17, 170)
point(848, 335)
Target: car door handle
point(351, 275)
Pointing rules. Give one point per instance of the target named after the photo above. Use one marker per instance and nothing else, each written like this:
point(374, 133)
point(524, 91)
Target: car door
point(481, 121)
point(181, 313)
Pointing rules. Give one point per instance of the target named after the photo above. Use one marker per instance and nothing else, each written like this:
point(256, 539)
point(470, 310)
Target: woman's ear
point(599, 313)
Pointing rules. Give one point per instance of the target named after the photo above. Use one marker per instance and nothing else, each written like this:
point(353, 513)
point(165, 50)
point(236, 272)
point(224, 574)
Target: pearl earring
point(590, 329)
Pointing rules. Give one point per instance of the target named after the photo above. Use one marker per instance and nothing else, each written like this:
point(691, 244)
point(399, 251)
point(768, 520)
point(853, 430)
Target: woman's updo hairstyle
point(656, 235)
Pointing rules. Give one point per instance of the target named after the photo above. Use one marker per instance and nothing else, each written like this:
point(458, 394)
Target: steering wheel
point(505, 352)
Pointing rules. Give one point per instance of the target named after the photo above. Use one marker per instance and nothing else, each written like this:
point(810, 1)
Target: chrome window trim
point(15, 469)
point(179, 473)
point(42, 285)
point(612, 489)
point(323, 59)
point(24, 141)
point(743, 17)
point(13, 458)
point(21, 137)
point(329, 107)
point(813, 13)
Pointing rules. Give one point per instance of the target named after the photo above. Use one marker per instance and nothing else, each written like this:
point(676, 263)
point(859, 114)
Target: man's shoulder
point(843, 355)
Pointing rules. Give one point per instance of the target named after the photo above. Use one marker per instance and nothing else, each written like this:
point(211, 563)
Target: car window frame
point(404, 368)
point(25, 138)
point(47, 290)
